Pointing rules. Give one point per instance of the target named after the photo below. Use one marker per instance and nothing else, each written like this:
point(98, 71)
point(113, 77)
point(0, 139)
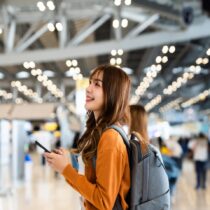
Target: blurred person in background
point(139, 121)
point(172, 152)
point(199, 148)
point(175, 149)
point(172, 158)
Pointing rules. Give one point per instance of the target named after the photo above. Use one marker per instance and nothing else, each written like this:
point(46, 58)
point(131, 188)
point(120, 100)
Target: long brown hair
point(116, 89)
point(138, 124)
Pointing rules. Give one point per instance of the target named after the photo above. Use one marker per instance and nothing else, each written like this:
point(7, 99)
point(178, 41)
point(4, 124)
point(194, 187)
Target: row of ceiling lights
point(202, 96)
point(74, 70)
point(191, 71)
point(49, 5)
point(54, 90)
point(116, 23)
point(148, 79)
point(120, 2)
point(153, 103)
point(51, 26)
point(9, 96)
point(26, 91)
point(175, 85)
point(189, 74)
point(5, 94)
point(116, 57)
point(171, 105)
point(152, 72)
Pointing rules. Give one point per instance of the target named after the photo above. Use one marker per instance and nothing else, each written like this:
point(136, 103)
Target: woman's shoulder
point(110, 139)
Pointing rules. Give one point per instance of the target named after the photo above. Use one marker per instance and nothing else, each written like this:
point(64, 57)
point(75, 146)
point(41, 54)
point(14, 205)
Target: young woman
point(108, 179)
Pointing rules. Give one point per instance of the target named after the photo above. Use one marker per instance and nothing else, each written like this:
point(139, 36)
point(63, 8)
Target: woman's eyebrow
point(96, 80)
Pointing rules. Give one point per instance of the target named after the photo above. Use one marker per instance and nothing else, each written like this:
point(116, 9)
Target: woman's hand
point(58, 159)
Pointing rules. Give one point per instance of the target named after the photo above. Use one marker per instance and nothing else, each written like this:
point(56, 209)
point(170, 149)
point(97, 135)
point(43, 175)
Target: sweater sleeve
point(110, 166)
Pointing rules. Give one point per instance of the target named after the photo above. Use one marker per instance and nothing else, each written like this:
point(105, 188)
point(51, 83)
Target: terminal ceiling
point(87, 35)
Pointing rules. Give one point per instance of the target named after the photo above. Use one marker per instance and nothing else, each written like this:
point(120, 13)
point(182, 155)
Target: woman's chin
point(87, 107)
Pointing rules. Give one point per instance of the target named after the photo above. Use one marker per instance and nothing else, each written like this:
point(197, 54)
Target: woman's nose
point(89, 88)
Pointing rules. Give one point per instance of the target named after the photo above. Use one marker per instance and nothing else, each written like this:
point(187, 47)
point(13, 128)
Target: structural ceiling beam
point(195, 31)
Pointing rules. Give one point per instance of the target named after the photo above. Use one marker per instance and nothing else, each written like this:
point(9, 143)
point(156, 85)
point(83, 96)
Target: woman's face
point(95, 95)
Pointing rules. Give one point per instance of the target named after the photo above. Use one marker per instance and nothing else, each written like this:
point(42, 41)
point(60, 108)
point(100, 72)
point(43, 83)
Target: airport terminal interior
point(47, 52)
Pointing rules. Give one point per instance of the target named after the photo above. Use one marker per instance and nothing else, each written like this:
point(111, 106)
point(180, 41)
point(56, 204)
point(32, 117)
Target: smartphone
point(40, 145)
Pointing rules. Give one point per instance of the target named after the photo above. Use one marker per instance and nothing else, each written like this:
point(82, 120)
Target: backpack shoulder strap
point(124, 137)
point(122, 133)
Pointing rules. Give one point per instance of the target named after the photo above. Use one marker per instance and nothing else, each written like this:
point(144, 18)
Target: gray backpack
point(149, 181)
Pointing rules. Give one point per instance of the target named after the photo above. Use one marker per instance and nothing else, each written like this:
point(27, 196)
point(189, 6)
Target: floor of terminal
point(45, 192)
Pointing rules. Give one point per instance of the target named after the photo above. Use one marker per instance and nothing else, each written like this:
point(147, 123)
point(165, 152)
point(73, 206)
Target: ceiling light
point(41, 6)
point(45, 83)
point(59, 26)
point(127, 70)
point(113, 52)
point(68, 63)
point(32, 64)
point(165, 49)
point(149, 74)
point(77, 70)
point(154, 74)
point(127, 2)
point(26, 65)
point(1, 75)
point(197, 69)
point(158, 59)
point(79, 76)
point(117, 2)
point(150, 79)
point(165, 91)
point(69, 73)
point(115, 23)
point(45, 78)
point(51, 5)
point(153, 67)
point(49, 73)
point(18, 100)
point(172, 49)
point(18, 84)
point(199, 61)
point(38, 71)
point(208, 52)
point(120, 52)
point(164, 59)
point(49, 83)
point(22, 75)
point(205, 61)
point(40, 78)
point(51, 27)
point(112, 61)
point(74, 62)
point(158, 67)
point(119, 61)
point(124, 23)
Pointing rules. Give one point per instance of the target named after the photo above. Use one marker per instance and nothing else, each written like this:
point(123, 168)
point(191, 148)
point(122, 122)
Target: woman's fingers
point(57, 151)
point(58, 160)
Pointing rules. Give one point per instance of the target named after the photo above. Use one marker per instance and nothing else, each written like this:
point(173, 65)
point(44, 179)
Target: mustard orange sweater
point(111, 177)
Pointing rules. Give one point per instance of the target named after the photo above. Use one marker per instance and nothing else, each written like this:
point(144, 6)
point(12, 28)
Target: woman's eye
point(98, 84)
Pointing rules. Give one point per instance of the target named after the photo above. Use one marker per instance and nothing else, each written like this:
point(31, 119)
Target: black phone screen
point(40, 145)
